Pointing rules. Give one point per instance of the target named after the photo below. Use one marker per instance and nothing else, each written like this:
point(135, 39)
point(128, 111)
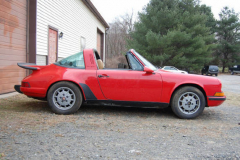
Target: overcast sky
point(110, 9)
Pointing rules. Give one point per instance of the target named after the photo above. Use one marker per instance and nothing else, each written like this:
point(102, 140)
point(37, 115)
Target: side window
point(134, 64)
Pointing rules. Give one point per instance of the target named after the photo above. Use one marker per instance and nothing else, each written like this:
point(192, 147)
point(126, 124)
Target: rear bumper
point(212, 72)
point(17, 88)
point(215, 101)
point(34, 92)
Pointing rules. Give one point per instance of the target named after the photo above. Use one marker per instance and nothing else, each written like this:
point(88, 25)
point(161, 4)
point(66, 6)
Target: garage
point(13, 31)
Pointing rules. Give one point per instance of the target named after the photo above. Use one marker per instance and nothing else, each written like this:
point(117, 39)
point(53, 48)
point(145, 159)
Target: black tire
point(186, 100)
point(216, 75)
point(232, 73)
point(64, 98)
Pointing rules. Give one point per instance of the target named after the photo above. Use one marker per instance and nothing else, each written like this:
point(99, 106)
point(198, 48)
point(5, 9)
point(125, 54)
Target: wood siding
point(13, 17)
point(73, 18)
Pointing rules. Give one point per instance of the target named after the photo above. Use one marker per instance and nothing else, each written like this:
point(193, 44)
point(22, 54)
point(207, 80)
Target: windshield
point(146, 62)
point(73, 61)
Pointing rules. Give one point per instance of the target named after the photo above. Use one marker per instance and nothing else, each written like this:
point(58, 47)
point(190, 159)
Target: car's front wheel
point(64, 98)
point(188, 102)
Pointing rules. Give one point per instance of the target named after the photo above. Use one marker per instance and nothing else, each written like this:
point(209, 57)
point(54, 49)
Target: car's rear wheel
point(216, 75)
point(188, 102)
point(64, 98)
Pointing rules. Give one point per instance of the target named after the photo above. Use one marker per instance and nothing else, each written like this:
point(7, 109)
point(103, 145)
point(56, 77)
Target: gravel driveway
point(29, 130)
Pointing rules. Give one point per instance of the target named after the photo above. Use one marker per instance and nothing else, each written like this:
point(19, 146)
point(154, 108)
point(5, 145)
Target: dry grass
point(21, 113)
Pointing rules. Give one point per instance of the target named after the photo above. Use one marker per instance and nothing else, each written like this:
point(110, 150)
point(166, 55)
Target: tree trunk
point(223, 69)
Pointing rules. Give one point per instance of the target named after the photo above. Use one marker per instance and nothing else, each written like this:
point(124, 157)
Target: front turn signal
point(219, 94)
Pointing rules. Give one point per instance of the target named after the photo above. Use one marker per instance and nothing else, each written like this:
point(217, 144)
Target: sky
point(110, 9)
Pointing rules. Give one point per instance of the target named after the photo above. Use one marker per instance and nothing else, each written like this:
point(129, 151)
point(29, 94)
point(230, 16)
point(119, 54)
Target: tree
point(174, 32)
point(116, 39)
point(211, 21)
point(118, 34)
point(228, 36)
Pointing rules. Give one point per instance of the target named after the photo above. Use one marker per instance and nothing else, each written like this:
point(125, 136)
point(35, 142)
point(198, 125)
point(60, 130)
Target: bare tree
point(117, 36)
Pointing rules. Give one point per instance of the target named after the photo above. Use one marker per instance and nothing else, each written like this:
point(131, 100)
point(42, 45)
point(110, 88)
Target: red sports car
point(82, 77)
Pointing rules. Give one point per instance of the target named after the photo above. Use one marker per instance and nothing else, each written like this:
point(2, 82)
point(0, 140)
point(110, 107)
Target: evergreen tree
point(174, 32)
point(211, 21)
point(228, 36)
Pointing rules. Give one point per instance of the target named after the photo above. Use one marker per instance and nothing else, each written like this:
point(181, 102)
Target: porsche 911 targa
point(82, 77)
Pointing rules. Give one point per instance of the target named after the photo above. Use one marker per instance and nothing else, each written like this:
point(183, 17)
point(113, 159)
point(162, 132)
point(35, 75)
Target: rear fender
point(79, 87)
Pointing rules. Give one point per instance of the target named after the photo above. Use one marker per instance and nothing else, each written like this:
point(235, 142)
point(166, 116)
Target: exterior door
point(130, 85)
point(52, 46)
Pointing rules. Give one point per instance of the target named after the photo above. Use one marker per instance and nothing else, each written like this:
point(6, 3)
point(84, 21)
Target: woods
point(228, 36)
point(181, 33)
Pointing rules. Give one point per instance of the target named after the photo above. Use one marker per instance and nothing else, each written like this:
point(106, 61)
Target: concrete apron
point(8, 95)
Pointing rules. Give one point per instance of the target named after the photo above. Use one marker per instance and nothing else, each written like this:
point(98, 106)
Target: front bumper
point(215, 101)
point(17, 88)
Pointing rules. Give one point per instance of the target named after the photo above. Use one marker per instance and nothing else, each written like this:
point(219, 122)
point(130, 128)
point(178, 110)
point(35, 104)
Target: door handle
point(100, 76)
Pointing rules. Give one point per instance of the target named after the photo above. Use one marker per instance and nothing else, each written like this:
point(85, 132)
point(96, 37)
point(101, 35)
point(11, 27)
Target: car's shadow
point(125, 111)
point(37, 106)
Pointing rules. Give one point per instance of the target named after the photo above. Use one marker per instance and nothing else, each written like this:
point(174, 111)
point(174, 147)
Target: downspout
point(27, 36)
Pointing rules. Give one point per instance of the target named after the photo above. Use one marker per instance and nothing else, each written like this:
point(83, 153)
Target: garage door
point(13, 15)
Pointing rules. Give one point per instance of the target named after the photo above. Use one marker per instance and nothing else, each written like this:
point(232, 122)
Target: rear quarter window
point(213, 67)
point(73, 61)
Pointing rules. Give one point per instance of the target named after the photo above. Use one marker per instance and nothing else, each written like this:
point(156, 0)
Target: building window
point(83, 43)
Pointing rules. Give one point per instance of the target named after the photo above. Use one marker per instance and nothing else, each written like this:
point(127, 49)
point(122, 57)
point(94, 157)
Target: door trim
point(32, 33)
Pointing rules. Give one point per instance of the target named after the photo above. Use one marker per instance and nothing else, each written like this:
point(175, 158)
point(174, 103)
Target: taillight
point(25, 84)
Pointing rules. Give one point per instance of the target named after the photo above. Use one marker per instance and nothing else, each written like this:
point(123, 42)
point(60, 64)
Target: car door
point(130, 84)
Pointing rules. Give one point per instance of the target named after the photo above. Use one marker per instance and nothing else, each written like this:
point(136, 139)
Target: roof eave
point(93, 9)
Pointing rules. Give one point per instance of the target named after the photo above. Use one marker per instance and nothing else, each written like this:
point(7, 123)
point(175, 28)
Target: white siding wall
point(73, 18)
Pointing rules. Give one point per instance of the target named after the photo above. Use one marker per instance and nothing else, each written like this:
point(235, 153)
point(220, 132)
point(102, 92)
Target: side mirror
point(147, 70)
